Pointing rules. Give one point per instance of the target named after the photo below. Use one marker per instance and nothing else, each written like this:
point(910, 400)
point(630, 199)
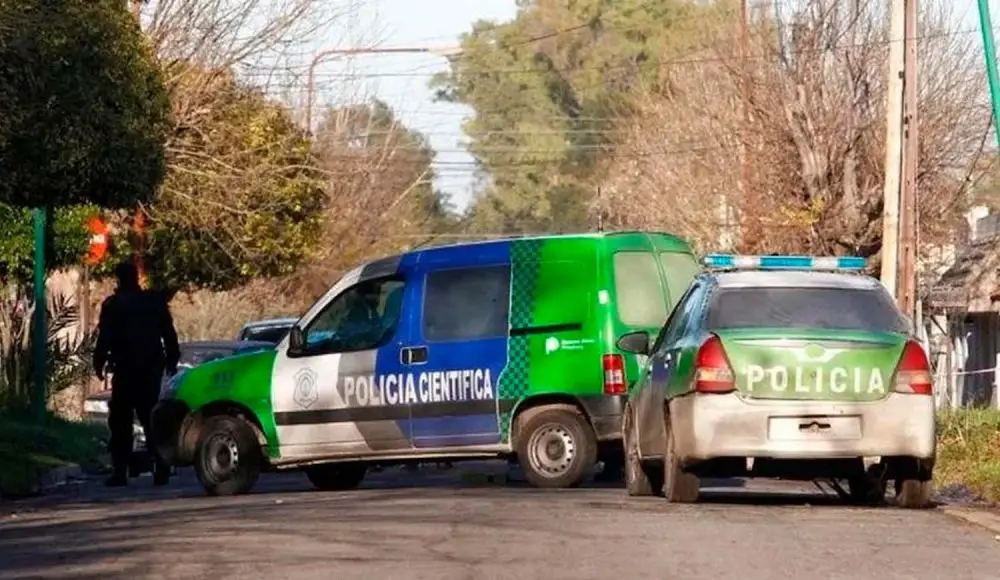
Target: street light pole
point(320, 56)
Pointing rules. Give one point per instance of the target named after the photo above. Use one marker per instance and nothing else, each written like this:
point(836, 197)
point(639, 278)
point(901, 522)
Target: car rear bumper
point(718, 426)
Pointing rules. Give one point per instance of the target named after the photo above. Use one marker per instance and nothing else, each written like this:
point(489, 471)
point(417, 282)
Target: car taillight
point(913, 374)
point(614, 375)
point(712, 373)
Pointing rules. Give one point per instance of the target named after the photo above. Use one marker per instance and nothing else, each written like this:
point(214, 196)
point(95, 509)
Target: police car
point(782, 367)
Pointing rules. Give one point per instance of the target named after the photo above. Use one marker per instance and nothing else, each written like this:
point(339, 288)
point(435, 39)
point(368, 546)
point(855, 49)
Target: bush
point(969, 451)
point(68, 360)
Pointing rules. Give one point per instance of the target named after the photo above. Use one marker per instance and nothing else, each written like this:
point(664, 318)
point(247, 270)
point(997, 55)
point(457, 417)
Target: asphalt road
point(445, 526)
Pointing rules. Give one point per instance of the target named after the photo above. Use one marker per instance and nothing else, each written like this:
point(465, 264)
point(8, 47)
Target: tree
point(814, 132)
point(85, 112)
point(380, 192)
point(243, 197)
point(68, 242)
point(545, 88)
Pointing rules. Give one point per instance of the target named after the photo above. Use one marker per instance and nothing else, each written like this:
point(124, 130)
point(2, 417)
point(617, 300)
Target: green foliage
point(67, 245)
point(67, 358)
point(969, 451)
point(545, 108)
point(28, 450)
point(85, 112)
point(243, 197)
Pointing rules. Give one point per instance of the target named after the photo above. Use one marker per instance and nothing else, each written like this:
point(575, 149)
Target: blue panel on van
point(457, 386)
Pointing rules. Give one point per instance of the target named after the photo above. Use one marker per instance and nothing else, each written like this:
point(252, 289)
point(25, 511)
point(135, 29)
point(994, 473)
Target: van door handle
point(413, 355)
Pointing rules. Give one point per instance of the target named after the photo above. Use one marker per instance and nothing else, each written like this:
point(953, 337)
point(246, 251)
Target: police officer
point(137, 343)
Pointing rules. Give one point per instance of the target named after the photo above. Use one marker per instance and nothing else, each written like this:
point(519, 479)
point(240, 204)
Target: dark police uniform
point(136, 342)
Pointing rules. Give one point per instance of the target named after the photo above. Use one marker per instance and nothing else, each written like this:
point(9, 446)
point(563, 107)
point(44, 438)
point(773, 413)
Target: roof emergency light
point(737, 262)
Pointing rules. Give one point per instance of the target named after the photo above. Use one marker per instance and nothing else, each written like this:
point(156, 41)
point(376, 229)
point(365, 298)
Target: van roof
point(661, 240)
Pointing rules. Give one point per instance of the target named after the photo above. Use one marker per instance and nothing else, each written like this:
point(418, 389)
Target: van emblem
point(306, 394)
point(551, 344)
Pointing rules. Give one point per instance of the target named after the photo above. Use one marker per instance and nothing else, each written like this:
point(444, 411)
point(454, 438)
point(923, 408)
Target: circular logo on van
point(814, 351)
point(306, 393)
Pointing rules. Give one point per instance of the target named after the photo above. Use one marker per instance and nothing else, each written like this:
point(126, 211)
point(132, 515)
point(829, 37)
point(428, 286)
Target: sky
point(401, 79)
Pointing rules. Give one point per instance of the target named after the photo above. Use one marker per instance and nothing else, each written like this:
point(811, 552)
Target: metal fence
point(965, 388)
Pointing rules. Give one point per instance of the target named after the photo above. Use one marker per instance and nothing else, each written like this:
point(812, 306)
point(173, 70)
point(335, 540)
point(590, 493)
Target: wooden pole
point(893, 146)
point(907, 277)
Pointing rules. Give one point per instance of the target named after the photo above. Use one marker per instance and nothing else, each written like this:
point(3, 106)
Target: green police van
point(504, 348)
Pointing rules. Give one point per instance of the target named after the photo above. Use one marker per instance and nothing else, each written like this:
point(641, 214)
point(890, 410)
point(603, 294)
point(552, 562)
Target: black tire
point(557, 448)
point(914, 484)
point(640, 481)
point(336, 476)
point(678, 486)
point(228, 458)
point(868, 489)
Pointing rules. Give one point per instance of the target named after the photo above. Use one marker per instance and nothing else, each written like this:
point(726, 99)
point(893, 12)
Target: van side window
point(679, 270)
point(638, 289)
point(467, 303)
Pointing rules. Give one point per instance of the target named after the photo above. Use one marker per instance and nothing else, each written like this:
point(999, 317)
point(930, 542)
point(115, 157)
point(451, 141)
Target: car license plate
point(814, 428)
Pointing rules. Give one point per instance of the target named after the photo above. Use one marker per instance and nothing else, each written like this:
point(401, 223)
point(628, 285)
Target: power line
point(654, 60)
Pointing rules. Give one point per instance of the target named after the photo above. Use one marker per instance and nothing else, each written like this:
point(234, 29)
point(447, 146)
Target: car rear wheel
point(678, 486)
point(914, 493)
point(228, 458)
point(868, 488)
point(556, 447)
point(639, 480)
point(336, 476)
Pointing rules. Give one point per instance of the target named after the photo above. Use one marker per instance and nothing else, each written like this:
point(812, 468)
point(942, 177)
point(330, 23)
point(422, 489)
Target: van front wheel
point(228, 459)
point(557, 448)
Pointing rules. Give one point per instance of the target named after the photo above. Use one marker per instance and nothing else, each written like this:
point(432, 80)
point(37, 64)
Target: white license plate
point(814, 428)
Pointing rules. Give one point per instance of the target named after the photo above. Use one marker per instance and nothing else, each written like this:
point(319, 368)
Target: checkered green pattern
point(514, 385)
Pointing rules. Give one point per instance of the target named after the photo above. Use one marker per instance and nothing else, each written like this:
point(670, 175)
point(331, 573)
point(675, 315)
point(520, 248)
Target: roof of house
point(972, 281)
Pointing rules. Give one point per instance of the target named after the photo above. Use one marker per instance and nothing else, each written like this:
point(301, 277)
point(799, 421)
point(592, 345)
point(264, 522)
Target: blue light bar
point(737, 262)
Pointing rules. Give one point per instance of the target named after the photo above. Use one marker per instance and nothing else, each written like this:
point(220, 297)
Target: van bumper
point(605, 412)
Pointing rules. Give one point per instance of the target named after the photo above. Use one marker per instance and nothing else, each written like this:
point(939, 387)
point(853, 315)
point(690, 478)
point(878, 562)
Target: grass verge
point(27, 450)
point(969, 451)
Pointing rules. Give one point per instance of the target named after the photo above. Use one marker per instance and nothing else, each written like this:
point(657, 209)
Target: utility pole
point(893, 145)
point(990, 54)
point(321, 56)
point(907, 268)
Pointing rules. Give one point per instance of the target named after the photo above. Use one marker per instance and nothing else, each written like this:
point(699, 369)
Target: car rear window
point(201, 356)
point(822, 308)
point(638, 289)
point(266, 333)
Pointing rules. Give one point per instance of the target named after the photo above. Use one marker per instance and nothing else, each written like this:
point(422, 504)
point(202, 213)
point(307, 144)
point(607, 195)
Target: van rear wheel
point(556, 447)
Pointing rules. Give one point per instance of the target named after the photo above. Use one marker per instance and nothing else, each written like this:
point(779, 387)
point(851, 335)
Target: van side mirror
point(296, 340)
point(634, 342)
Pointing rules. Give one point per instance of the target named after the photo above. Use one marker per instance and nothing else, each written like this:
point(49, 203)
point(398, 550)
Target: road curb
point(981, 518)
point(59, 476)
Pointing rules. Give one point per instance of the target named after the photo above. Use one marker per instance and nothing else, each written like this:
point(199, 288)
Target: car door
point(460, 349)
point(345, 392)
point(661, 367)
